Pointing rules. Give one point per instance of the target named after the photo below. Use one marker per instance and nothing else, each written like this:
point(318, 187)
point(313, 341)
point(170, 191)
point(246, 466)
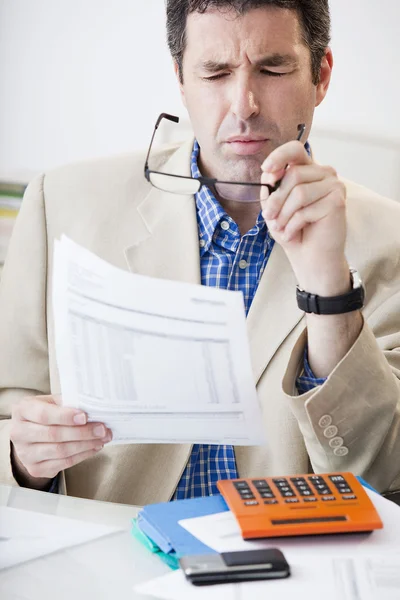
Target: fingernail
point(107, 438)
point(99, 447)
point(99, 431)
point(80, 419)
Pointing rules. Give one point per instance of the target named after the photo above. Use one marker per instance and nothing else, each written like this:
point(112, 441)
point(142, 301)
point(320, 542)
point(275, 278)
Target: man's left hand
point(306, 215)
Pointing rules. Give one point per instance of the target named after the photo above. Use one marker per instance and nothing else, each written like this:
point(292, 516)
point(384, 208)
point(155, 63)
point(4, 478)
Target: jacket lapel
point(274, 312)
point(167, 244)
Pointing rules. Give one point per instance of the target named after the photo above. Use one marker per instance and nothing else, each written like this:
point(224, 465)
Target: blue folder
point(159, 522)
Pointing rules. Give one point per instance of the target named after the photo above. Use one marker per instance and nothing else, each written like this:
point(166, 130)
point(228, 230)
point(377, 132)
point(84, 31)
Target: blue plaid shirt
point(232, 262)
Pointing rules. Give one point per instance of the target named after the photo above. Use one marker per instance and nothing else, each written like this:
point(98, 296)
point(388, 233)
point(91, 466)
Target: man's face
point(247, 84)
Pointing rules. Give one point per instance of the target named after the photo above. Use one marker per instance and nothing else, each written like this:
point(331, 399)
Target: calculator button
point(251, 503)
point(328, 498)
point(337, 478)
point(310, 499)
point(325, 421)
point(291, 500)
point(241, 485)
point(247, 496)
point(270, 501)
point(324, 492)
point(260, 483)
point(298, 479)
point(267, 495)
point(345, 490)
point(306, 493)
point(280, 480)
point(349, 497)
point(288, 494)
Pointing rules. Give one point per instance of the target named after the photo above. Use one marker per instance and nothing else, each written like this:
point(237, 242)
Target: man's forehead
point(216, 36)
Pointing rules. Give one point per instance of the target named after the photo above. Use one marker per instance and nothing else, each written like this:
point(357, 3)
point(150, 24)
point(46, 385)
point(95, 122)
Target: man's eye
point(273, 73)
point(215, 77)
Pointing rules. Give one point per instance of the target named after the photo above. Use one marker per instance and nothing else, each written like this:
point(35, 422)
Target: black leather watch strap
point(335, 305)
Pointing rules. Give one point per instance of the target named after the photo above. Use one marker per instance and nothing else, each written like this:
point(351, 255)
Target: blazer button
point(342, 451)
point(336, 442)
point(325, 421)
point(330, 431)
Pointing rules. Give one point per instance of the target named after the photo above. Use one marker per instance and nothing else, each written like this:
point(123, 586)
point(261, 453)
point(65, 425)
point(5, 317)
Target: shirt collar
point(209, 210)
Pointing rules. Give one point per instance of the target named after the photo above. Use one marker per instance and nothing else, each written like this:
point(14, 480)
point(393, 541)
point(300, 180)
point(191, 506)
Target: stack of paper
point(25, 535)
point(157, 361)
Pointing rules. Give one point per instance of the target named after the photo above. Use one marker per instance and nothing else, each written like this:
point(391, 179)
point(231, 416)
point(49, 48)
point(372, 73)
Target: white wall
point(83, 78)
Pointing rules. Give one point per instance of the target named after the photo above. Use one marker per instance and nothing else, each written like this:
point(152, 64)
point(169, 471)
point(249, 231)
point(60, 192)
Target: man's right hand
point(47, 438)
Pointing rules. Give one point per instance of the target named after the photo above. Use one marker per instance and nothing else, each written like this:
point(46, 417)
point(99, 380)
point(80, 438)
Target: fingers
point(51, 468)
point(33, 433)
point(300, 197)
point(44, 410)
point(47, 437)
point(295, 177)
point(292, 153)
point(46, 452)
point(311, 214)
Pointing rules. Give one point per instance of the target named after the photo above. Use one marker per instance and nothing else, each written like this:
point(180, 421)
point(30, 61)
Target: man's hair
point(313, 15)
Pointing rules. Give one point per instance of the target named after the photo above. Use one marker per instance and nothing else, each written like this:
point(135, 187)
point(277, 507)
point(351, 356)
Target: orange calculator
point(300, 505)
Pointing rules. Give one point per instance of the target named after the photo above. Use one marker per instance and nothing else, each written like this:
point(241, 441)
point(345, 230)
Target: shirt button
point(243, 264)
point(336, 442)
point(331, 431)
point(202, 243)
point(342, 451)
point(325, 421)
point(224, 225)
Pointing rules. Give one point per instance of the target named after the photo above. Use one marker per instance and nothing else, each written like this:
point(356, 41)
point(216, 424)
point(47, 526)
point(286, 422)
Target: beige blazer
point(108, 206)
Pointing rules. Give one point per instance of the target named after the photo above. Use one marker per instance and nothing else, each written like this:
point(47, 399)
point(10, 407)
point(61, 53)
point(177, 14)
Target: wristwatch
point(333, 305)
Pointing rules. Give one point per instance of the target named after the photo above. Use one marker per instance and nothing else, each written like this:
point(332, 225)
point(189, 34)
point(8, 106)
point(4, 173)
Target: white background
point(85, 78)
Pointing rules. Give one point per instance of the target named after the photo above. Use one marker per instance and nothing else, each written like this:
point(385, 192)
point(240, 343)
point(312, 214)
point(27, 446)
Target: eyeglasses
point(180, 184)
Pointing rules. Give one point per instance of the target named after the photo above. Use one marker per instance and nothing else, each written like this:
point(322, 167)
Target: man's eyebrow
point(212, 66)
point(277, 60)
point(271, 60)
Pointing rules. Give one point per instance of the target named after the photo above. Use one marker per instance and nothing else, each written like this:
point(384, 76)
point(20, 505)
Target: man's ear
point(180, 83)
point(325, 76)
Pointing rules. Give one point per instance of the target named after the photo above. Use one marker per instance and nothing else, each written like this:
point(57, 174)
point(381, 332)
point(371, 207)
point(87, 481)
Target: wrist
point(326, 281)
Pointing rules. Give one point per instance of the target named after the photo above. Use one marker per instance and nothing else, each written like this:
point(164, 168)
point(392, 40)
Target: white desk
point(105, 569)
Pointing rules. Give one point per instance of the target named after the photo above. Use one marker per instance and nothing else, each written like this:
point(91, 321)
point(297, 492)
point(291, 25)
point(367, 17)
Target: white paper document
point(25, 535)
point(155, 360)
point(221, 532)
point(312, 577)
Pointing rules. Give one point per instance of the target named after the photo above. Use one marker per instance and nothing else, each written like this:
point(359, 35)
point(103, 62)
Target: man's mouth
point(246, 145)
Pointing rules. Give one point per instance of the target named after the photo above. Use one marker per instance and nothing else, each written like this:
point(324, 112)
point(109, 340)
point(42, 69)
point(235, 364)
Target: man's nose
point(244, 102)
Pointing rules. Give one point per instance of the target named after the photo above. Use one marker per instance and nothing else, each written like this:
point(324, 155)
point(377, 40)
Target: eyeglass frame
point(207, 181)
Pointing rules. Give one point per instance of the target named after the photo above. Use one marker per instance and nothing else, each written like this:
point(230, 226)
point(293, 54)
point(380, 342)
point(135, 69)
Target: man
point(249, 72)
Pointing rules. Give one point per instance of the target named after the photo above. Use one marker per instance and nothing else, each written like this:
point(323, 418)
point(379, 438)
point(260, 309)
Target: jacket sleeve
point(24, 368)
point(352, 422)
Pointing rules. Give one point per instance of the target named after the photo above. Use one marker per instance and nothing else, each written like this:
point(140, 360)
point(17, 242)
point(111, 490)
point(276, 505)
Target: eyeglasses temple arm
point(160, 118)
point(301, 129)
